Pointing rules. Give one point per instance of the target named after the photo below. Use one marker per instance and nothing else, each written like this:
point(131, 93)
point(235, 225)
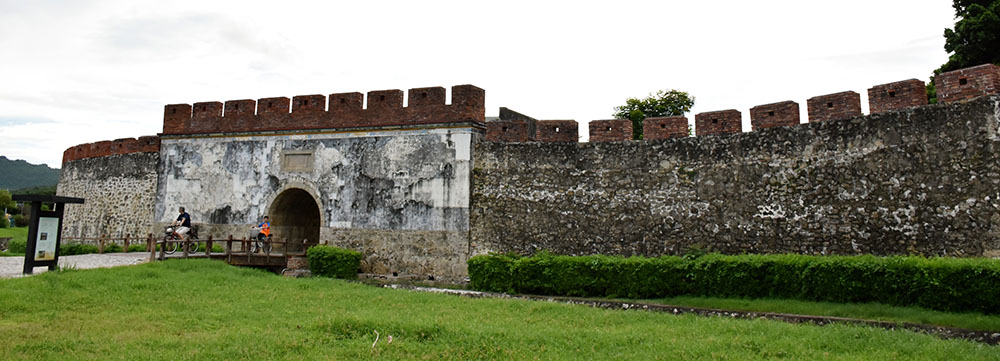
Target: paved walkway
point(11, 267)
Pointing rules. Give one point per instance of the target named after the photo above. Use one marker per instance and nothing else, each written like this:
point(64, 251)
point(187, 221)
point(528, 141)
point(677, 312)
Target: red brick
point(611, 130)
point(781, 114)
point(176, 118)
point(557, 131)
point(967, 83)
point(511, 126)
point(834, 106)
point(384, 108)
point(718, 122)
point(898, 95)
point(664, 127)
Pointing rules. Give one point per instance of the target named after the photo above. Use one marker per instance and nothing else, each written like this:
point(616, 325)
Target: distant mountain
point(18, 174)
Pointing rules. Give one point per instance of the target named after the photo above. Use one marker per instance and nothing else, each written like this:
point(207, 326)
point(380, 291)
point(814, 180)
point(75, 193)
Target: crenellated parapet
point(610, 130)
point(967, 83)
point(958, 85)
point(558, 131)
point(146, 144)
point(897, 95)
point(834, 106)
point(339, 110)
point(511, 126)
point(780, 114)
point(718, 122)
point(664, 127)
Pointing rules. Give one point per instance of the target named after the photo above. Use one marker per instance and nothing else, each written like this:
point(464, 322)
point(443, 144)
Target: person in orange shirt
point(264, 229)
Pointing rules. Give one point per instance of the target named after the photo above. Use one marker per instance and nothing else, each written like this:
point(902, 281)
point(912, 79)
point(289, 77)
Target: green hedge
point(17, 246)
point(73, 249)
point(334, 262)
point(947, 284)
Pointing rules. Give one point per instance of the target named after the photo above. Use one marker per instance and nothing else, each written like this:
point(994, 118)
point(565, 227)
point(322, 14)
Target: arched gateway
point(295, 217)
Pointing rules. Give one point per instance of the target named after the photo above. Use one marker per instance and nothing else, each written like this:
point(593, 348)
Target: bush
point(20, 220)
point(334, 262)
point(17, 246)
point(4, 222)
point(137, 247)
point(113, 248)
point(73, 249)
point(947, 284)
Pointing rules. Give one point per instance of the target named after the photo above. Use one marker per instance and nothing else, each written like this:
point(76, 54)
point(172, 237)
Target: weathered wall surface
point(119, 193)
point(379, 192)
point(922, 180)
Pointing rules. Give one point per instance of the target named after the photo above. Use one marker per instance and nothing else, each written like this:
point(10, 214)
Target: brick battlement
point(958, 85)
point(340, 110)
point(611, 130)
point(780, 114)
point(147, 144)
point(968, 83)
point(898, 95)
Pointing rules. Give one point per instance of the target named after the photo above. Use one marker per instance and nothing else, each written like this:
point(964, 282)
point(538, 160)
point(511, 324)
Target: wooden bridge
point(236, 251)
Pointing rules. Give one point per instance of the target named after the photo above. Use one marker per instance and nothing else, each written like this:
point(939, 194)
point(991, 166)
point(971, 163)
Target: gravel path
point(11, 267)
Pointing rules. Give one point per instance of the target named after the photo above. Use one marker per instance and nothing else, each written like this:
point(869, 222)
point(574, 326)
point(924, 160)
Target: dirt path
point(11, 267)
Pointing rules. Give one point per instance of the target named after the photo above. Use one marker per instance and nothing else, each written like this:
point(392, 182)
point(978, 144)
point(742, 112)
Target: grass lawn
point(868, 311)
point(206, 310)
point(16, 233)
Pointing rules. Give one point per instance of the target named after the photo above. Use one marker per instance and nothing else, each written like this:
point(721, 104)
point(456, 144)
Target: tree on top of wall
point(664, 103)
point(975, 39)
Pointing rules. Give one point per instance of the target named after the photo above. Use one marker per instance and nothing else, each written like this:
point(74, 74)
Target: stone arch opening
point(294, 217)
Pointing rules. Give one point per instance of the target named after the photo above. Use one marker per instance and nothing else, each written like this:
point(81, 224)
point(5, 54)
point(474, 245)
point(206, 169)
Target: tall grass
point(205, 310)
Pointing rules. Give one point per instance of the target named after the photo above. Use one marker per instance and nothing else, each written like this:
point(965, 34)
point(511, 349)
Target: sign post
point(44, 230)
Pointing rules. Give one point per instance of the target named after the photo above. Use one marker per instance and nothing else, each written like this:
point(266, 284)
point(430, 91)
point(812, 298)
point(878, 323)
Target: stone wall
point(922, 180)
point(398, 196)
point(119, 192)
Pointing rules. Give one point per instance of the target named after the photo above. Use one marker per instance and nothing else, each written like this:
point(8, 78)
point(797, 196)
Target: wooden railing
point(184, 246)
point(244, 244)
point(105, 240)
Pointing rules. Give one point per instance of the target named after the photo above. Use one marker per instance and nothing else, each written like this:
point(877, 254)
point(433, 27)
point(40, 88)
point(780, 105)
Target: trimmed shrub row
point(947, 284)
point(334, 262)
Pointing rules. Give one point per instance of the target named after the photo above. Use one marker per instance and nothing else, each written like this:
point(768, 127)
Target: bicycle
point(172, 242)
point(258, 243)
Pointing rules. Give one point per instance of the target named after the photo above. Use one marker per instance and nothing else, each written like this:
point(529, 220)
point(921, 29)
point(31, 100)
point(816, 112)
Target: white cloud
point(103, 70)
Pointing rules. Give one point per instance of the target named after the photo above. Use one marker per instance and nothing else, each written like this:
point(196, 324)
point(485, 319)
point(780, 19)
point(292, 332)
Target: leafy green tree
point(664, 103)
point(975, 39)
point(6, 201)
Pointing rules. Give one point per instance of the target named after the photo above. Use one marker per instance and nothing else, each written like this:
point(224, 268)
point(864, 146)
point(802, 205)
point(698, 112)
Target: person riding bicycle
point(183, 224)
point(265, 229)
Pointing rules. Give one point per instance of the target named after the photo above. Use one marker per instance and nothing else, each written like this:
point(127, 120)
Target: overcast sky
point(83, 71)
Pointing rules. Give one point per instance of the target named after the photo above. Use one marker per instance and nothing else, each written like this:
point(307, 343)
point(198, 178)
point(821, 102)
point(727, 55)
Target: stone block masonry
point(560, 131)
point(782, 114)
point(718, 122)
point(968, 83)
point(612, 130)
point(664, 128)
point(834, 106)
point(120, 192)
point(898, 95)
point(916, 181)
